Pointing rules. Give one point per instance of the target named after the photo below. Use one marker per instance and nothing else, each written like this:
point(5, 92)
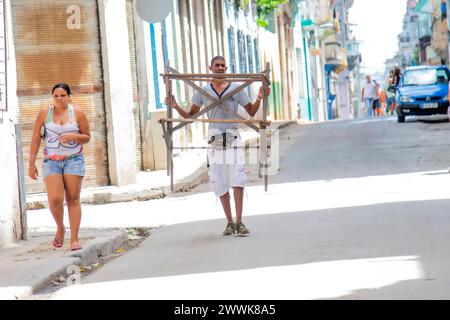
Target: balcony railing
point(352, 48)
point(308, 10)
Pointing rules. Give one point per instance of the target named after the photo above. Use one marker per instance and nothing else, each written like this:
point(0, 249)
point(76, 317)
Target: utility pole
point(322, 107)
point(444, 18)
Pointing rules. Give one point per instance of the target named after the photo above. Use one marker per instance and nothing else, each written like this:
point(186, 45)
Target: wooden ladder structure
point(259, 125)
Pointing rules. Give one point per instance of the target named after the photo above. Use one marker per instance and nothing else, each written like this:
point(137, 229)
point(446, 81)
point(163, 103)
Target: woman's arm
point(85, 135)
point(35, 144)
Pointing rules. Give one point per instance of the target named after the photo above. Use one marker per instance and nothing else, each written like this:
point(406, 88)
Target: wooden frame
point(246, 79)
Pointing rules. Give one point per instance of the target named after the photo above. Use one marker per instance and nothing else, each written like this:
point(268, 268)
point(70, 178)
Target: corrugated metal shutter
point(136, 108)
point(59, 41)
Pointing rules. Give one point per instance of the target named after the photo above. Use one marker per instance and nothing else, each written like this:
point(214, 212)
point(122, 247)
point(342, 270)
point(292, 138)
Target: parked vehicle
point(422, 90)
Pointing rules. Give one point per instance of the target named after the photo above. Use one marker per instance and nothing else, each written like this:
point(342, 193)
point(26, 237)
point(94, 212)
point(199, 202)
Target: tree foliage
point(264, 8)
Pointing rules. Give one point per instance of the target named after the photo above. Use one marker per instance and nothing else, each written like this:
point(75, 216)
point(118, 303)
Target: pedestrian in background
point(390, 95)
point(377, 100)
point(368, 95)
point(382, 96)
point(223, 137)
point(395, 82)
point(65, 129)
point(396, 77)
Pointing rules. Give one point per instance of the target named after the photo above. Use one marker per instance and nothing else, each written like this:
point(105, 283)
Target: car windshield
point(425, 77)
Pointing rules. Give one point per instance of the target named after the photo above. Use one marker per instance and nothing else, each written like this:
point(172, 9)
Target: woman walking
point(64, 129)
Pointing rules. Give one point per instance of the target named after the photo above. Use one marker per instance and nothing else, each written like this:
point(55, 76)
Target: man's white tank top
point(54, 149)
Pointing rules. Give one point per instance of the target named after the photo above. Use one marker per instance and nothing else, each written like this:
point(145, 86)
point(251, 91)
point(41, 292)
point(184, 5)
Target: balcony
point(353, 54)
point(333, 53)
point(352, 47)
point(353, 61)
point(308, 12)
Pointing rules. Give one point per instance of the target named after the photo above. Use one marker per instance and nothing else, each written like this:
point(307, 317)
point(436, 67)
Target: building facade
point(113, 61)
point(13, 213)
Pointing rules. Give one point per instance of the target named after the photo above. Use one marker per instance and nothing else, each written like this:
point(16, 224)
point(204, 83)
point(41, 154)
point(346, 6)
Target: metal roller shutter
point(59, 41)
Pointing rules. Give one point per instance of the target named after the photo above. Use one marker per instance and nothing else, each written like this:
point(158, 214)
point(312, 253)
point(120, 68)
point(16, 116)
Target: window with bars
point(232, 47)
point(3, 57)
point(249, 42)
point(242, 51)
point(257, 63)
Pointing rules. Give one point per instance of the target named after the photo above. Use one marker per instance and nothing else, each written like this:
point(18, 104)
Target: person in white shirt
point(368, 95)
point(224, 175)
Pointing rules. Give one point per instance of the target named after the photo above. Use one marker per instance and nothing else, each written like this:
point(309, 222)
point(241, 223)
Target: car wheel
point(400, 119)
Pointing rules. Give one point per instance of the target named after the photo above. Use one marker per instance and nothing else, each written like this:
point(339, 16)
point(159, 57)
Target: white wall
point(118, 91)
point(9, 196)
point(10, 225)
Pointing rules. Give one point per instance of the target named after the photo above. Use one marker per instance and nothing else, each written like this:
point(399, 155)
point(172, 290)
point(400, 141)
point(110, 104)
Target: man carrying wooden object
point(225, 157)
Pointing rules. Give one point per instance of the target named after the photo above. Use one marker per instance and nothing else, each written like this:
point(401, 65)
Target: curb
point(99, 247)
point(198, 177)
point(43, 275)
point(105, 197)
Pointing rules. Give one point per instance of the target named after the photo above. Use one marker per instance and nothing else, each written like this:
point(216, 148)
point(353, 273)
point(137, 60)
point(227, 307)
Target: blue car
point(422, 91)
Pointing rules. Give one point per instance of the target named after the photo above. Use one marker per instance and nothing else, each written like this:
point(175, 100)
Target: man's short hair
point(217, 58)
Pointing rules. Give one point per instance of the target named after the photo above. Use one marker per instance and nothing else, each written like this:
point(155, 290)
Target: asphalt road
point(358, 210)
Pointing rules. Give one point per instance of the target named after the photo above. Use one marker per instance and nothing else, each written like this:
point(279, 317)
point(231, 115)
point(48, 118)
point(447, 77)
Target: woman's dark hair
point(396, 71)
point(62, 85)
point(396, 76)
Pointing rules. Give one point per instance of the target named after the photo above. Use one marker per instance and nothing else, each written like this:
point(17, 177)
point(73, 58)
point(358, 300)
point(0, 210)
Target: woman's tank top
point(54, 149)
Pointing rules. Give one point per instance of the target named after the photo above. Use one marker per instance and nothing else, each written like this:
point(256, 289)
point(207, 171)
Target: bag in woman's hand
point(43, 132)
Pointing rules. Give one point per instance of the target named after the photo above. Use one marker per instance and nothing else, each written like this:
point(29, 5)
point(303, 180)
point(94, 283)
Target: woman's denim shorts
point(74, 166)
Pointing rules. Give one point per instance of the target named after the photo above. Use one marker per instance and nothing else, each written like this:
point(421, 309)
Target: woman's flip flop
point(58, 243)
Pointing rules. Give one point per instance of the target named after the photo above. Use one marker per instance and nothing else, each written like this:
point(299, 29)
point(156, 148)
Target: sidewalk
point(30, 266)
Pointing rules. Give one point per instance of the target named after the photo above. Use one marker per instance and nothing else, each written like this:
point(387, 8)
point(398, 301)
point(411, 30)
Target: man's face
point(368, 79)
point(218, 66)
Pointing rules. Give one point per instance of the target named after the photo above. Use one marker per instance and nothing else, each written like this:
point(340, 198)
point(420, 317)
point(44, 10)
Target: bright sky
point(378, 22)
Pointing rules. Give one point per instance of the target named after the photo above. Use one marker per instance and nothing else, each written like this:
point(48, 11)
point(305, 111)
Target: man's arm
point(252, 108)
point(181, 111)
point(362, 94)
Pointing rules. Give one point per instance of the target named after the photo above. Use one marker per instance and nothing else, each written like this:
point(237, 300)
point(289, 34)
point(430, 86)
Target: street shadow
point(402, 290)
point(392, 230)
point(428, 119)
point(437, 173)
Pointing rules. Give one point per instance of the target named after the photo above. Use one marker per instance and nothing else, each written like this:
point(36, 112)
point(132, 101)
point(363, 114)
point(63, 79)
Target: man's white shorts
point(226, 169)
